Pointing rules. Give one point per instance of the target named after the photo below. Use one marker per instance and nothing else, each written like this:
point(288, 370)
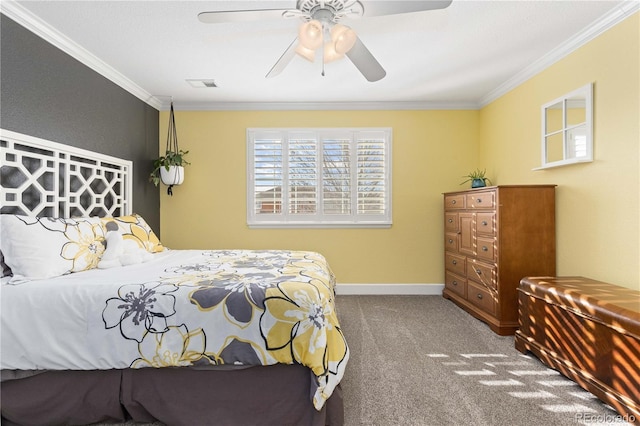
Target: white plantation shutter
point(267, 175)
point(319, 177)
point(336, 176)
point(303, 174)
point(371, 175)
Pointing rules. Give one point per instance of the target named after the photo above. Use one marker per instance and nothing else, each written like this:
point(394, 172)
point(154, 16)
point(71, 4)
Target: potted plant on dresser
point(477, 179)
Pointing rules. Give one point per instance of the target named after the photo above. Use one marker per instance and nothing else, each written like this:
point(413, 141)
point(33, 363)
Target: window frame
point(566, 132)
point(285, 219)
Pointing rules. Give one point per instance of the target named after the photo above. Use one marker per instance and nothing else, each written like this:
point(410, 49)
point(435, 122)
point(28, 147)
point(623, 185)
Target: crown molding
point(606, 22)
point(39, 27)
point(321, 106)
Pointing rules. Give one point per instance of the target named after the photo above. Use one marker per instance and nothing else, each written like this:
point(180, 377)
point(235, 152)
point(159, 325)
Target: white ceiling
point(461, 57)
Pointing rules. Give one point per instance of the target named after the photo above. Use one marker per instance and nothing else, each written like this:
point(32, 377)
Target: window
point(319, 177)
point(567, 129)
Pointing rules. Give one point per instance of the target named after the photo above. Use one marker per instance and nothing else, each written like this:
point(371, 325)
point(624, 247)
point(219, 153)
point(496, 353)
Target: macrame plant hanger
point(172, 141)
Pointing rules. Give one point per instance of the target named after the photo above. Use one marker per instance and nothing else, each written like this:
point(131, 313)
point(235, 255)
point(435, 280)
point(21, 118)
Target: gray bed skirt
point(271, 395)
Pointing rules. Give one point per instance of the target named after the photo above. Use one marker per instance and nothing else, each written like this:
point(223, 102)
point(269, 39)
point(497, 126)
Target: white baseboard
point(390, 289)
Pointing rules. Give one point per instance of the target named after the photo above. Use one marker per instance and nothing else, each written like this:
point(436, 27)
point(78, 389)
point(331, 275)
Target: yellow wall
point(598, 217)
point(597, 211)
point(431, 151)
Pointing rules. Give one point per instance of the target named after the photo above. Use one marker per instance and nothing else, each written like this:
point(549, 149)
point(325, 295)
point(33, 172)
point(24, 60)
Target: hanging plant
point(169, 168)
point(168, 161)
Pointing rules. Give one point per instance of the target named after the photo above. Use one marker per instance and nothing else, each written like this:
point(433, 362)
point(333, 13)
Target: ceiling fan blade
point(240, 15)
point(380, 8)
point(365, 61)
point(284, 60)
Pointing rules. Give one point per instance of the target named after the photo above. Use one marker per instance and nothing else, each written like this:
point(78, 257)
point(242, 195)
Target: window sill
point(306, 225)
point(563, 163)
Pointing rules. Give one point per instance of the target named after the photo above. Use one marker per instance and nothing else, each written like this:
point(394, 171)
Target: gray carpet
point(421, 360)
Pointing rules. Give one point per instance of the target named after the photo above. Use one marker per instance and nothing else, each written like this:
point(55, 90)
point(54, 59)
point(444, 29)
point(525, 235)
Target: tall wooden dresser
point(494, 237)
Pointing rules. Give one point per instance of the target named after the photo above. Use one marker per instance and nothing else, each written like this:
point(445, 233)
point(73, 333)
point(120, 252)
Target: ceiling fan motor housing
point(328, 11)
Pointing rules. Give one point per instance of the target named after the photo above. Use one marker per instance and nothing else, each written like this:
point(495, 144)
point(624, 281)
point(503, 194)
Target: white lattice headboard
point(43, 178)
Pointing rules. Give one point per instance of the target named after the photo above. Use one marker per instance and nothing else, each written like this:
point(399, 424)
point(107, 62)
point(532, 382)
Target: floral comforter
point(183, 308)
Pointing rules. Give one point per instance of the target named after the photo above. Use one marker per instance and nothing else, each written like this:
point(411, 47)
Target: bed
point(102, 323)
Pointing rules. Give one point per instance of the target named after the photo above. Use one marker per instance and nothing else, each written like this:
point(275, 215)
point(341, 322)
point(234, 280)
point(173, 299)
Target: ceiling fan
point(322, 32)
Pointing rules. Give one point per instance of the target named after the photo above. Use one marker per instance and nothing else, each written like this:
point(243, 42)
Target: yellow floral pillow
point(36, 248)
point(134, 228)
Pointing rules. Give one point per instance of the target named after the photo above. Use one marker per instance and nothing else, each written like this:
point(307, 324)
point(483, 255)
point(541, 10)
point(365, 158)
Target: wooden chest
point(589, 331)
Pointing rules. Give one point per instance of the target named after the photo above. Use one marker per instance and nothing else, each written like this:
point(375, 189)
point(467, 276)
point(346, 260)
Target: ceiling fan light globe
point(310, 34)
point(308, 54)
point(343, 38)
point(330, 53)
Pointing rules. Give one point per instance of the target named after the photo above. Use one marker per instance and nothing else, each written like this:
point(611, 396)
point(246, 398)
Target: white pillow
point(36, 248)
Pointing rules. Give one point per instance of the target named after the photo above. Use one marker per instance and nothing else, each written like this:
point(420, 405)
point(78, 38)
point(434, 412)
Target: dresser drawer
point(485, 249)
point(482, 273)
point(454, 201)
point(455, 263)
point(485, 223)
point(451, 222)
point(455, 283)
point(480, 296)
point(481, 200)
point(451, 241)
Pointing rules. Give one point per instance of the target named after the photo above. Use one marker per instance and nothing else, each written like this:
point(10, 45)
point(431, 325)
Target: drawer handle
point(478, 271)
point(450, 241)
point(484, 223)
point(455, 262)
point(479, 296)
point(455, 283)
point(484, 248)
point(453, 201)
point(450, 220)
point(479, 200)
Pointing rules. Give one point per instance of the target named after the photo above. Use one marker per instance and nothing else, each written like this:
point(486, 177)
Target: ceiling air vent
point(200, 84)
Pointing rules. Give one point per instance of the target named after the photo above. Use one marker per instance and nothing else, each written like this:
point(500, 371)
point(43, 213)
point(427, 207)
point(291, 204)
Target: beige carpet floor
point(421, 360)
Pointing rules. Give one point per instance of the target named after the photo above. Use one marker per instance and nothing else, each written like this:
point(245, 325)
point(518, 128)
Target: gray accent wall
point(46, 93)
